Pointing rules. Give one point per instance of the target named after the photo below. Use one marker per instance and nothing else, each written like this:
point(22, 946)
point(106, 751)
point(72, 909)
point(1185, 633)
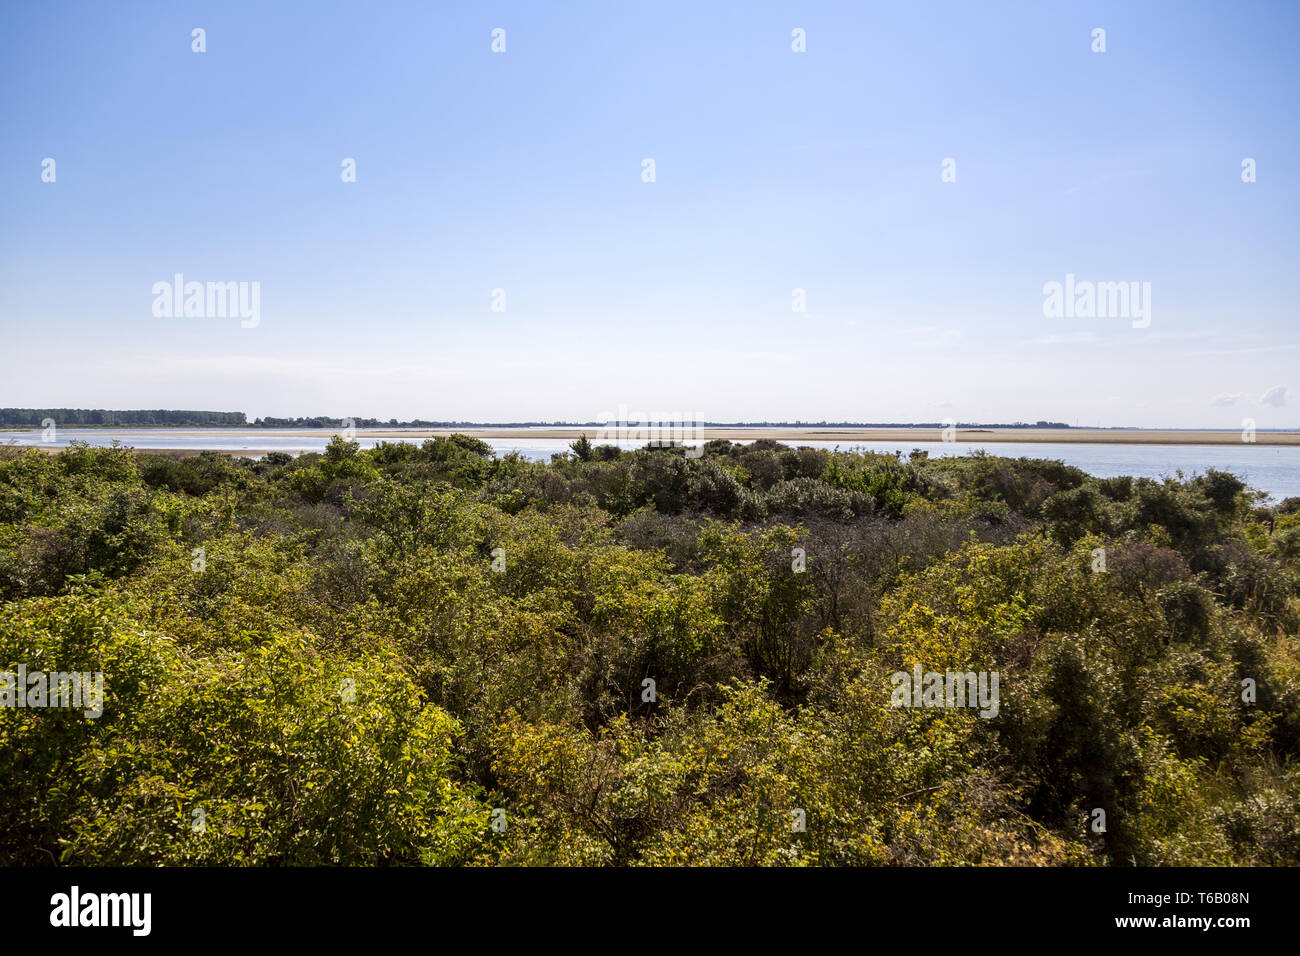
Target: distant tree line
point(69, 417)
point(324, 421)
point(33, 417)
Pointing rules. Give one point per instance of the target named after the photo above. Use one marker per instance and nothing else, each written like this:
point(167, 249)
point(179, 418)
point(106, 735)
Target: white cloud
point(1245, 351)
point(1275, 396)
point(1224, 399)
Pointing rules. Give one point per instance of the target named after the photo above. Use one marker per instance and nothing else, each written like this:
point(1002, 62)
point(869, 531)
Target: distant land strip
point(1041, 431)
point(178, 418)
point(845, 436)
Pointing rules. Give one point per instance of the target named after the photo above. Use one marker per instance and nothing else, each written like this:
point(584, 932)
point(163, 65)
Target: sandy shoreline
point(793, 436)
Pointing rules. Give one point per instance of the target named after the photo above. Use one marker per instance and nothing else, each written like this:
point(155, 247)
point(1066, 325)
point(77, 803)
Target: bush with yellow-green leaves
point(430, 655)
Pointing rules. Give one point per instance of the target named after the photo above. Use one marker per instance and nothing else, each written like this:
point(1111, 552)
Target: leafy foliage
point(433, 655)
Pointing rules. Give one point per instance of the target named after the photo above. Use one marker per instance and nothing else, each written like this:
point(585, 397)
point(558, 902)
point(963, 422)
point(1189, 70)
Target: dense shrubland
point(316, 658)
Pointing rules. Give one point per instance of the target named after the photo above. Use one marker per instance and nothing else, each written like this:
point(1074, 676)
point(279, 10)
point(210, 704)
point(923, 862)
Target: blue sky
point(775, 170)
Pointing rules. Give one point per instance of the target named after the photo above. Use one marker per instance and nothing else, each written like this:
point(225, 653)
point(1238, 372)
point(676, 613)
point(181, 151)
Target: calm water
point(1271, 468)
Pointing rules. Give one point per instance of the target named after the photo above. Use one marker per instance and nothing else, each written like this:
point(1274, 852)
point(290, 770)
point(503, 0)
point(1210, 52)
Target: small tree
point(581, 448)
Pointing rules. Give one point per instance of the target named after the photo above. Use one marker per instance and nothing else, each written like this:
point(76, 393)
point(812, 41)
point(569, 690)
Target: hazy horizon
point(432, 422)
